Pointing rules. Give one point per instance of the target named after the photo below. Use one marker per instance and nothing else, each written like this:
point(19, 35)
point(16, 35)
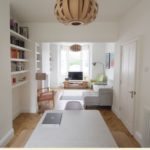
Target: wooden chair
point(45, 95)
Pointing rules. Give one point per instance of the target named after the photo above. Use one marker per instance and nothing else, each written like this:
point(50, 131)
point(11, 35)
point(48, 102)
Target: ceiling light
point(76, 12)
point(75, 48)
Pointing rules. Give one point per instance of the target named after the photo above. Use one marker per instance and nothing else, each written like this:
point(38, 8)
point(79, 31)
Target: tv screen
point(75, 75)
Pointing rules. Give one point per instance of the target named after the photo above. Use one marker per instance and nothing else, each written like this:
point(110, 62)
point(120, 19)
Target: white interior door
point(128, 68)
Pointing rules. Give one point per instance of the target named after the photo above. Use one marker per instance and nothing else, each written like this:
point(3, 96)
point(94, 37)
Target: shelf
point(37, 44)
point(38, 61)
point(19, 72)
point(18, 35)
point(38, 53)
point(37, 69)
point(19, 84)
point(19, 48)
point(19, 60)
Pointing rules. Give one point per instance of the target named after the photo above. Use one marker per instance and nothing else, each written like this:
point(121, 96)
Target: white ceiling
point(43, 10)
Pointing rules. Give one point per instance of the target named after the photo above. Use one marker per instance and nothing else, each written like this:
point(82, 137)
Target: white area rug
point(72, 95)
point(71, 98)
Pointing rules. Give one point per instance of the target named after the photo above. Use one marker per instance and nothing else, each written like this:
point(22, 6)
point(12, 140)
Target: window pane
point(63, 62)
point(75, 61)
point(85, 61)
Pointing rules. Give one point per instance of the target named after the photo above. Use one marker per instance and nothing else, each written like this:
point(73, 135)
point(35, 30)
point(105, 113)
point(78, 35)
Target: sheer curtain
point(74, 61)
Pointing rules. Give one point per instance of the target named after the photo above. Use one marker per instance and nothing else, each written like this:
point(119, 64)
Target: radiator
point(146, 135)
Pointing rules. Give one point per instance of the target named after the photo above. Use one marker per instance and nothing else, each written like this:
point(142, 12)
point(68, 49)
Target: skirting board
point(137, 135)
point(27, 110)
point(139, 138)
point(115, 112)
point(5, 140)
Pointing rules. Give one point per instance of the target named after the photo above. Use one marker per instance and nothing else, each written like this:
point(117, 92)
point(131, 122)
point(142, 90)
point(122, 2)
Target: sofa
point(103, 97)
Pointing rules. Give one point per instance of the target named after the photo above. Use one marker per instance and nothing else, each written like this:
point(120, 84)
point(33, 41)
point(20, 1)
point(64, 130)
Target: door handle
point(133, 93)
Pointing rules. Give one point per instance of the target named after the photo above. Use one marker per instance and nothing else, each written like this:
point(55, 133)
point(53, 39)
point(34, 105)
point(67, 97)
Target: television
point(75, 75)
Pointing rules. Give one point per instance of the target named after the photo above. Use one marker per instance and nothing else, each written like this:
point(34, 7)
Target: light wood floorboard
point(120, 133)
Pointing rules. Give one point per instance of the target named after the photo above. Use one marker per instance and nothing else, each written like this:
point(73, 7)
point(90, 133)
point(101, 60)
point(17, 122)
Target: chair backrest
point(73, 105)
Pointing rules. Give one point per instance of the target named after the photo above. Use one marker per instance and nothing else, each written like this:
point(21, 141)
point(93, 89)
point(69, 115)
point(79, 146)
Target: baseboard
point(115, 111)
point(5, 140)
point(139, 138)
point(15, 115)
point(26, 110)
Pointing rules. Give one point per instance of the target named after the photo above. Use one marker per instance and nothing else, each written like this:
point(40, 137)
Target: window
point(63, 62)
point(74, 61)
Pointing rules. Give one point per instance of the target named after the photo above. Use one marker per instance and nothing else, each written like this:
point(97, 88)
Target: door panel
point(128, 84)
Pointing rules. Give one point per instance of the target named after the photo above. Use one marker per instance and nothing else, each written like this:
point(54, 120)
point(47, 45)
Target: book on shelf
point(17, 66)
point(16, 80)
point(13, 53)
point(16, 41)
point(24, 31)
point(14, 25)
point(17, 54)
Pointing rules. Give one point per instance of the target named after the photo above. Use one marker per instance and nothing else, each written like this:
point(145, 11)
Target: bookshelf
point(19, 54)
point(23, 69)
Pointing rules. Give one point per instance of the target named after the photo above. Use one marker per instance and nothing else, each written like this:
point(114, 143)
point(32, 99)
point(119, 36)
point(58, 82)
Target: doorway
point(128, 84)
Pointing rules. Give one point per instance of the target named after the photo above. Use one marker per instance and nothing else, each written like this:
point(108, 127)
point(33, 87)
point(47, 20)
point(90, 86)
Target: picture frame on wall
point(112, 60)
point(107, 60)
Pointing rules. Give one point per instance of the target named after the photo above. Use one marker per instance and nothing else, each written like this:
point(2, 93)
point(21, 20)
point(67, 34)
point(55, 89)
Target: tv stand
point(75, 84)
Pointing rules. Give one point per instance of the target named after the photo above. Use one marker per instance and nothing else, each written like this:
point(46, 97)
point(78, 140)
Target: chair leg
point(53, 103)
point(85, 106)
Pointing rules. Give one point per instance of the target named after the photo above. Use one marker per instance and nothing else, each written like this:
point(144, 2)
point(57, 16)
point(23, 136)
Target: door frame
point(137, 80)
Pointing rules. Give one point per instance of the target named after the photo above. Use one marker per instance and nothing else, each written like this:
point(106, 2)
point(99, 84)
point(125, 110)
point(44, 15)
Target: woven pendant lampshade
point(76, 12)
point(75, 48)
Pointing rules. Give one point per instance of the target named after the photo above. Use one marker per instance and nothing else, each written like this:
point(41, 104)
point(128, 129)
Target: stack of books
point(17, 54)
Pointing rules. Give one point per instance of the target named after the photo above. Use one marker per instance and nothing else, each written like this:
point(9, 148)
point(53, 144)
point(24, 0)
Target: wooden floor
point(120, 133)
point(25, 124)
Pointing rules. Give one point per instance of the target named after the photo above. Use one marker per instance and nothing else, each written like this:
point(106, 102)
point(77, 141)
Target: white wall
point(6, 130)
point(110, 48)
point(16, 103)
point(54, 65)
point(46, 63)
point(137, 24)
point(98, 54)
point(57, 32)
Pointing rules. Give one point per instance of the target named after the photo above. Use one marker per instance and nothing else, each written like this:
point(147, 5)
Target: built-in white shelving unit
point(19, 84)
point(19, 55)
point(22, 58)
